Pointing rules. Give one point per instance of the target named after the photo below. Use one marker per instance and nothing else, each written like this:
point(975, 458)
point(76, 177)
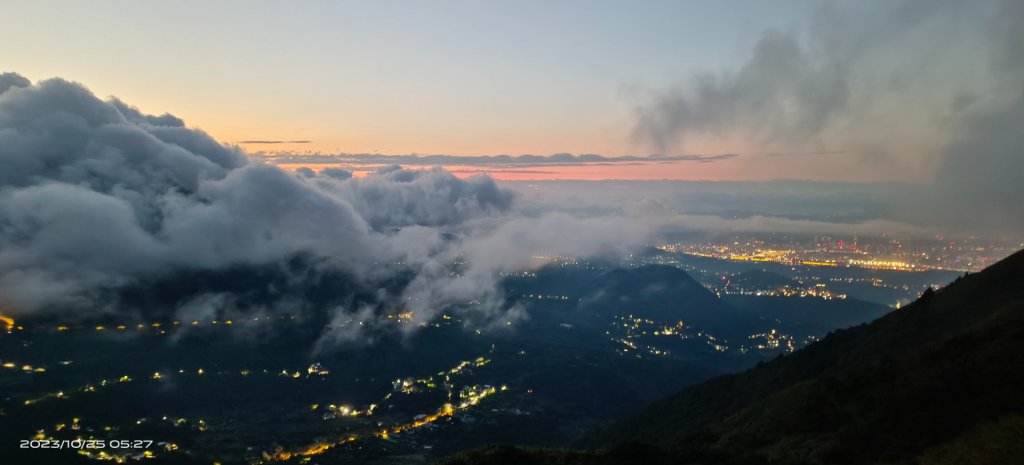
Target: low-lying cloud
point(105, 210)
point(102, 206)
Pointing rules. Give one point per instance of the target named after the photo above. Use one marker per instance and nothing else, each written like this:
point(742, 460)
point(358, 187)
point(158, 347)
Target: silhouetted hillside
point(936, 382)
point(663, 293)
point(805, 316)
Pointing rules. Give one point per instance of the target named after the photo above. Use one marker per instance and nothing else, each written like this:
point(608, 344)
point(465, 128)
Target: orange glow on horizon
point(743, 168)
point(583, 172)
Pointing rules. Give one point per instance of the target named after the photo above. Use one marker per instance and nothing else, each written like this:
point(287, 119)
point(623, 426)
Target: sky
point(875, 91)
point(395, 77)
point(464, 78)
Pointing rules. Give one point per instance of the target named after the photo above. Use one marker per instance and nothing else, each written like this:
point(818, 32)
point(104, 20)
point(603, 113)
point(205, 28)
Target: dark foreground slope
point(939, 381)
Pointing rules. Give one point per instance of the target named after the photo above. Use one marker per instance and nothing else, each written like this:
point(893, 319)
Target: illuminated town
point(883, 253)
point(459, 396)
point(639, 337)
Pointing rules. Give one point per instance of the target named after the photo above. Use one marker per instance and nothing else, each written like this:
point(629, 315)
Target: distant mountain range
point(937, 382)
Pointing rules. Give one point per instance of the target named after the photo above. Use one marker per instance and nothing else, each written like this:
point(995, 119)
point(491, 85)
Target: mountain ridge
point(915, 385)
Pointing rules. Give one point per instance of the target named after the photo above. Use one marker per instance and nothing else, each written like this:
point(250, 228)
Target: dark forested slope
point(938, 381)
